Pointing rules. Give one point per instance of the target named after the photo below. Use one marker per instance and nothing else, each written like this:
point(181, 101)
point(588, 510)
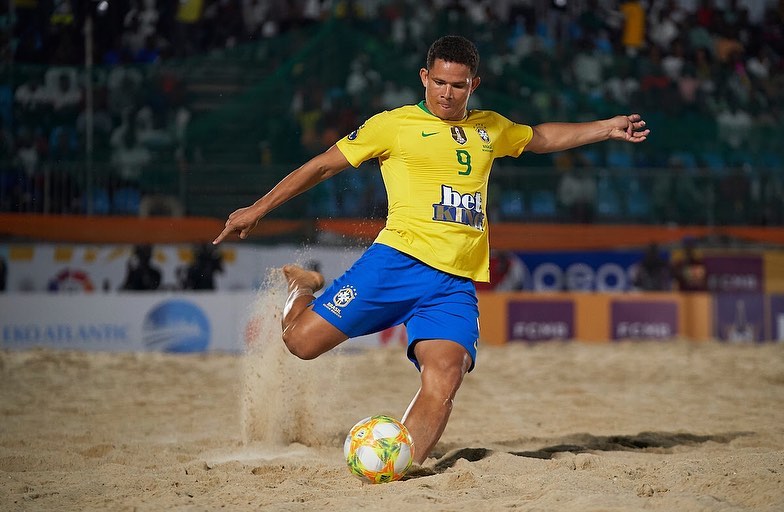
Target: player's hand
point(242, 221)
point(628, 128)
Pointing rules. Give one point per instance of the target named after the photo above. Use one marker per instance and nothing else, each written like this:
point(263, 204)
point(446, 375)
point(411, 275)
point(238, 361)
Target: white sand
point(554, 427)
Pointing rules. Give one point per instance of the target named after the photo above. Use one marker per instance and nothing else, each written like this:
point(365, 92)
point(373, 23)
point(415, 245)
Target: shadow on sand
point(581, 443)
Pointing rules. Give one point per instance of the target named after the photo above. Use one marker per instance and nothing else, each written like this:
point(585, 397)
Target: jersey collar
point(423, 106)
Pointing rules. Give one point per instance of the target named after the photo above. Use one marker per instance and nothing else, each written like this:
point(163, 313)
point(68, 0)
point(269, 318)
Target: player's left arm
point(550, 137)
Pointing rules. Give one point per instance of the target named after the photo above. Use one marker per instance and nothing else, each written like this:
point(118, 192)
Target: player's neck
point(423, 105)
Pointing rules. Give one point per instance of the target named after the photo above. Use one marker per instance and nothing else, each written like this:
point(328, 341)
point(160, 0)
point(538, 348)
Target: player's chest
point(447, 151)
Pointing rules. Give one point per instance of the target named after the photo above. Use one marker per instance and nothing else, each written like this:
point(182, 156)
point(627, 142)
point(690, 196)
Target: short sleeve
point(374, 139)
point(514, 137)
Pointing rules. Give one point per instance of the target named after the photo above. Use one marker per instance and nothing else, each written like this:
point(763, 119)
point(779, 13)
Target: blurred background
point(107, 105)
point(129, 130)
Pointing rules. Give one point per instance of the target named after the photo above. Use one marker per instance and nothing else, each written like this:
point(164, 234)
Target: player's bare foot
point(300, 278)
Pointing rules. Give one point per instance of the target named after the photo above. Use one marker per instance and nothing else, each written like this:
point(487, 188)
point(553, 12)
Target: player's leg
point(443, 333)
point(364, 300)
point(442, 364)
point(306, 334)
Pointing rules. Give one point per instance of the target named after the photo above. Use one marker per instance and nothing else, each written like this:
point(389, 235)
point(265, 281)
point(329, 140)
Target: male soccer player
point(435, 161)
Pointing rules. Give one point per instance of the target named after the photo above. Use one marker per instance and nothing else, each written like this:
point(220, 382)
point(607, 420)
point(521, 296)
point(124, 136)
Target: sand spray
point(284, 399)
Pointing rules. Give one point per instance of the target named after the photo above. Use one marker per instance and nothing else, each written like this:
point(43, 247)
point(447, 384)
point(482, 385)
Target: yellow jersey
point(436, 175)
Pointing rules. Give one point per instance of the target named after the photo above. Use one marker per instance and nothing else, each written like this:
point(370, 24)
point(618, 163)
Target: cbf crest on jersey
point(458, 134)
point(340, 300)
point(344, 296)
point(483, 134)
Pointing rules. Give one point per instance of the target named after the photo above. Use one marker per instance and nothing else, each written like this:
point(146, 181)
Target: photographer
point(200, 275)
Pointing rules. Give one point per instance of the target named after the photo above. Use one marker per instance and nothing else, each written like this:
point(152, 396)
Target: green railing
point(738, 196)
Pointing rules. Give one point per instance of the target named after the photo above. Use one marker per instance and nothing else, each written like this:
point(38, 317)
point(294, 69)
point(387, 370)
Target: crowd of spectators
point(709, 72)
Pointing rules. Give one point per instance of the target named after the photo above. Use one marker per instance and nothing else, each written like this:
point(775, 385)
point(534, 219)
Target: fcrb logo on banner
point(643, 320)
point(176, 326)
point(734, 274)
point(610, 271)
point(540, 320)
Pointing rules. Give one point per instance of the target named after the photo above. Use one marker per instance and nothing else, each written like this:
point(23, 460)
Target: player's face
point(448, 85)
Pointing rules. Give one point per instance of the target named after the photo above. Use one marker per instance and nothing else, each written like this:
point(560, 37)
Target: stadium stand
point(205, 105)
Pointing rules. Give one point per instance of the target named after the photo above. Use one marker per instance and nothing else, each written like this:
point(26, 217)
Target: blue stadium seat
point(126, 201)
point(685, 159)
point(608, 204)
point(638, 202)
point(543, 204)
point(512, 204)
point(100, 199)
point(619, 159)
point(713, 161)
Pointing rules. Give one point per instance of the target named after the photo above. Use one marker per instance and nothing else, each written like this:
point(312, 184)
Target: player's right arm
point(307, 176)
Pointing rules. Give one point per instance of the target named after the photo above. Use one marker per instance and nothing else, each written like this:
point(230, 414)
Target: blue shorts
point(386, 287)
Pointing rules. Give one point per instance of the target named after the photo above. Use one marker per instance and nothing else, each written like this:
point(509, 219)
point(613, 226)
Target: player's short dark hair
point(454, 49)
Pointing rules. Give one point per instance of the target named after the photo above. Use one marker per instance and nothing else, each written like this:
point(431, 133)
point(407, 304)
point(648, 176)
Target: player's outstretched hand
point(629, 128)
point(242, 221)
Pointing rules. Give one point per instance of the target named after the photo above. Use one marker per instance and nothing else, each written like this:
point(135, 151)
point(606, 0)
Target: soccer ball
point(379, 449)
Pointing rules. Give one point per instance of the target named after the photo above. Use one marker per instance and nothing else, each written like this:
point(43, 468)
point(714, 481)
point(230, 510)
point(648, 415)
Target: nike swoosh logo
point(428, 134)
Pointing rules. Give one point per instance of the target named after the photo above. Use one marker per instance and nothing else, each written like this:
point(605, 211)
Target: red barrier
point(135, 230)
point(508, 236)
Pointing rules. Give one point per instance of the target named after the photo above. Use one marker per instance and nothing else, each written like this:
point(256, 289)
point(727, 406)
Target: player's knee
point(442, 380)
point(297, 344)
